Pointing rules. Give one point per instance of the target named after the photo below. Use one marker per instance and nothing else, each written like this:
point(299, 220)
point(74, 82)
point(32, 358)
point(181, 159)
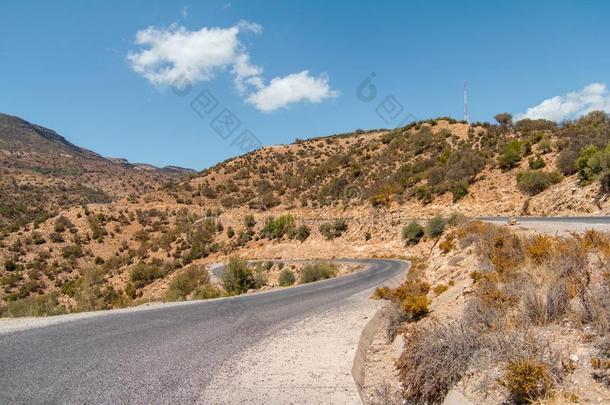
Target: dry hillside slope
point(345, 195)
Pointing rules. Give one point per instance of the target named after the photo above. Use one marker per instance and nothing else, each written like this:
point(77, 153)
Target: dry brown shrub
point(448, 244)
point(527, 380)
point(434, 359)
point(595, 240)
point(539, 248)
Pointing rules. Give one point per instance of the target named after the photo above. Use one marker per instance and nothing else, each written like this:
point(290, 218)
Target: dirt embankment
point(511, 316)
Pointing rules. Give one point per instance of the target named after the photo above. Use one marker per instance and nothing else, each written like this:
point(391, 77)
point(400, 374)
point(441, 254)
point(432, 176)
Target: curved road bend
point(163, 355)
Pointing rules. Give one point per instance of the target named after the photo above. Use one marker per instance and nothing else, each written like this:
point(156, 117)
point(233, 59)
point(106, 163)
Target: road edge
point(368, 334)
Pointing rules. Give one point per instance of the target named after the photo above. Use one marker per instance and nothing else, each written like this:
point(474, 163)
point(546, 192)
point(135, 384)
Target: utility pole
point(466, 109)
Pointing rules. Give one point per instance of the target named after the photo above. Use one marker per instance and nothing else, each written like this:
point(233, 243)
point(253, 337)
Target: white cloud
point(283, 91)
point(177, 57)
point(571, 105)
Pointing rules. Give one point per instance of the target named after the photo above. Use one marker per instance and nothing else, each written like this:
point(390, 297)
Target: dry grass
point(524, 284)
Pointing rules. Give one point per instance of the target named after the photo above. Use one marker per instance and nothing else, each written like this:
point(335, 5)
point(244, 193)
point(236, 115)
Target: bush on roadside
point(286, 278)
point(38, 305)
point(412, 298)
point(144, 273)
point(317, 271)
point(206, 291)
point(186, 282)
point(238, 278)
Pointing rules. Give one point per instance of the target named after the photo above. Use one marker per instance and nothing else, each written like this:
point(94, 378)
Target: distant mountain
point(43, 172)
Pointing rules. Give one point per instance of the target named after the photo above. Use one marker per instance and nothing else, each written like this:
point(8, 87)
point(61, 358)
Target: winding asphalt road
point(163, 355)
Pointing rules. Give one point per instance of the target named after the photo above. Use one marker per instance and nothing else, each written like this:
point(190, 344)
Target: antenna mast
point(466, 109)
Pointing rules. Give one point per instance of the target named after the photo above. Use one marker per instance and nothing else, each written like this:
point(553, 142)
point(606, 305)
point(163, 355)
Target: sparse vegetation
point(524, 284)
point(184, 283)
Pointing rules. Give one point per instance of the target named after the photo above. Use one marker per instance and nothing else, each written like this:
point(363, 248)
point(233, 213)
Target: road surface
point(556, 225)
point(168, 354)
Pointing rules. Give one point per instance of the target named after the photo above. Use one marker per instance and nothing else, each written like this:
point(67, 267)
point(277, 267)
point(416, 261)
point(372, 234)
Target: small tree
point(504, 119)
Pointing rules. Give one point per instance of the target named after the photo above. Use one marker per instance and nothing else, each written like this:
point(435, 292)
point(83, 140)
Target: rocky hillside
point(43, 173)
point(441, 164)
point(71, 249)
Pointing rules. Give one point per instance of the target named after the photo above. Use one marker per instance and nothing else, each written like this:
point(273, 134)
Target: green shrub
point(537, 163)
point(412, 233)
point(459, 189)
point(249, 221)
point(56, 237)
point(205, 292)
point(333, 230)
point(286, 278)
point(186, 282)
point(276, 228)
point(604, 180)
point(566, 161)
point(238, 278)
point(62, 223)
point(11, 280)
point(144, 274)
point(303, 232)
point(380, 200)
point(39, 305)
point(317, 271)
point(423, 194)
point(72, 252)
point(582, 163)
point(10, 265)
point(511, 155)
point(436, 226)
point(230, 232)
point(533, 182)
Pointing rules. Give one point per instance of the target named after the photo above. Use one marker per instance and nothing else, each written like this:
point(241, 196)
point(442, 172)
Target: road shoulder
point(308, 362)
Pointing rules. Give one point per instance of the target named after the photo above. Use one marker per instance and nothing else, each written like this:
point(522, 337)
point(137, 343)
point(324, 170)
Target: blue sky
point(65, 65)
